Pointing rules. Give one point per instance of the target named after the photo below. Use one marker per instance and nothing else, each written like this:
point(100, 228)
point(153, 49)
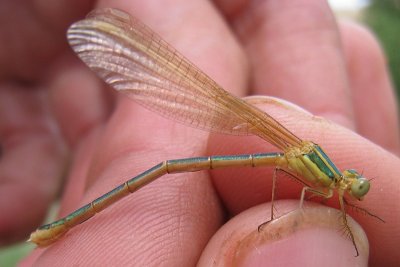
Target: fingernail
point(270, 100)
point(306, 238)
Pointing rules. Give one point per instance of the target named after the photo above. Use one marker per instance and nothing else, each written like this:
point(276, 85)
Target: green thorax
point(311, 163)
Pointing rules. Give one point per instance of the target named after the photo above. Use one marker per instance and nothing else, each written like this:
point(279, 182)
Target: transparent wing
point(134, 60)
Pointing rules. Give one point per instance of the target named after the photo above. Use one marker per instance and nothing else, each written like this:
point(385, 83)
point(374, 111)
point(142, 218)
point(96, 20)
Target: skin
point(297, 52)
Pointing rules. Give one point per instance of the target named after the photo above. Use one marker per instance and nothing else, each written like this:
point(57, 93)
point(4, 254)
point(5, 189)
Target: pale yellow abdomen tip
point(47, 235)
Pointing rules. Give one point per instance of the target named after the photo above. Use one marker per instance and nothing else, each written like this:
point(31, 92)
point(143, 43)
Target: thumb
point(308, 237)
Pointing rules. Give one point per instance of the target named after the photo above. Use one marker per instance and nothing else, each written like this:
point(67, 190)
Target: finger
point(295, 54)
point(31, 163)
point(372, 93)
point(40, 26)
point(231, 8)
point(206, 42)
point(75, 186)
point(347, 150)
point(78, 100)
point(180, 210)
point(310, 243)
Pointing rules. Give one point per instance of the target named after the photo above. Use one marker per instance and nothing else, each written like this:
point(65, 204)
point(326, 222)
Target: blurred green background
point(382, 16)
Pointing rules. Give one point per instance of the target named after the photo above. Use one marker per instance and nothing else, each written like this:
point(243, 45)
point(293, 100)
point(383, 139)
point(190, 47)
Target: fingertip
point(371, 86)
point(231, 8)
point(270, 100)
point(309, 237)
point(77, 101)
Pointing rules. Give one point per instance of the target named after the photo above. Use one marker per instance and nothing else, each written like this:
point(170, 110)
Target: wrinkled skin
point(57, 120)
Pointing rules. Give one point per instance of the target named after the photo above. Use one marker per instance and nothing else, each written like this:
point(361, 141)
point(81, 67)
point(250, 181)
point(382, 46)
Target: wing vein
point(136, 61)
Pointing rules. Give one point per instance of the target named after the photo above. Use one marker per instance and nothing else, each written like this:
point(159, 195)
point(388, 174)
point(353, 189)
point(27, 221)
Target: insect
point(134, 60)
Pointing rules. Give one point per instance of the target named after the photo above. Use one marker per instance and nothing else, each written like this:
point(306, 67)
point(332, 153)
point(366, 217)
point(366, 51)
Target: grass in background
point(383, 17)
point(10, 256)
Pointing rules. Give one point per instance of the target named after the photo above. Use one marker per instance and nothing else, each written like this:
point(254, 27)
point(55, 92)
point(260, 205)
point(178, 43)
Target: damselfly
point(134, 60)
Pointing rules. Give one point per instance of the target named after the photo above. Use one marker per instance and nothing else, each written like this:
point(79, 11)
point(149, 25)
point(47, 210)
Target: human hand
point(33, 153)
point(170, 221)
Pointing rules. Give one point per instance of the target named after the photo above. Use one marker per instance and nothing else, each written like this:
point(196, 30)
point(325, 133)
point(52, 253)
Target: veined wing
point(134, 60)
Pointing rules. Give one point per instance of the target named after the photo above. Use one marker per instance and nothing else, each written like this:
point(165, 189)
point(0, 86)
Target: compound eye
point(360, 187)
